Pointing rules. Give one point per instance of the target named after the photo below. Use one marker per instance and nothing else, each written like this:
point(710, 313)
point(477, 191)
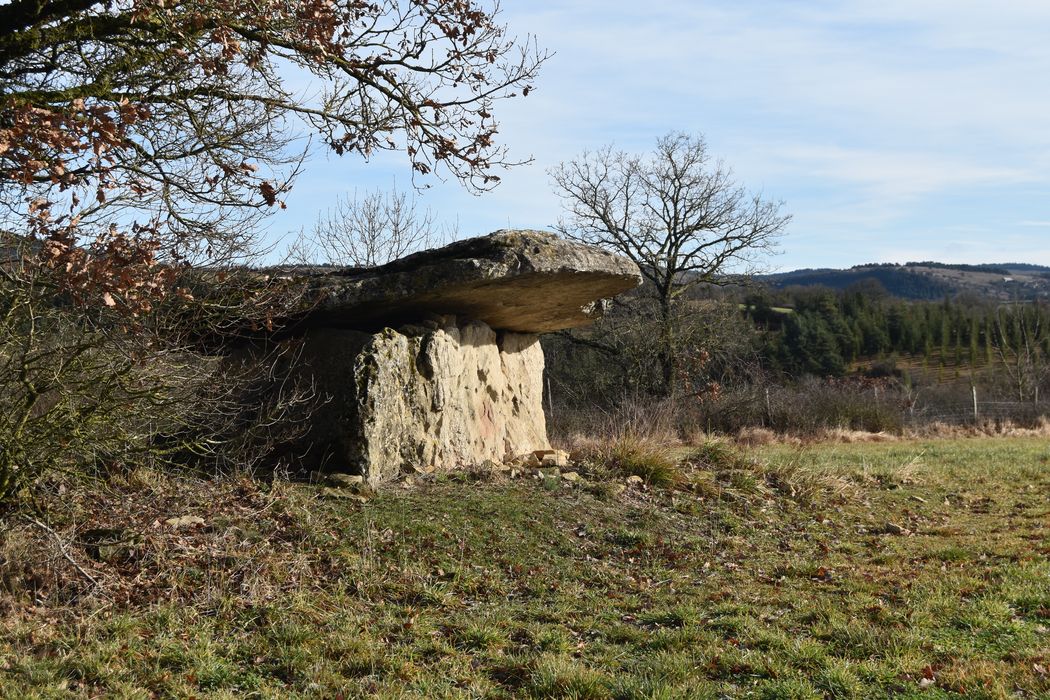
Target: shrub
point(86, 390)
point(634, 455)
point(638, 439)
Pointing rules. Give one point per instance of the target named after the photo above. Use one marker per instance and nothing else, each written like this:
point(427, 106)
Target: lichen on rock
point(524, 281)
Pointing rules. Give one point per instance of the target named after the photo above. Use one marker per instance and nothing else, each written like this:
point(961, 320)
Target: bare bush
point(84, 393)
point(610, 364)
point(370, 231)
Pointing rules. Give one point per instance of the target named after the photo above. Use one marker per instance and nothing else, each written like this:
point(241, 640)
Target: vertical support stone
point(441, 397)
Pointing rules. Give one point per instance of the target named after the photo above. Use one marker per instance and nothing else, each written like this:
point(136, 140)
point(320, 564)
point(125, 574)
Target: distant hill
point(929, 280)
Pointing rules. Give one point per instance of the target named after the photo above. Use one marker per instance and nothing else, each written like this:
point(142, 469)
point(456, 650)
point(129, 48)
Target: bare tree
point(1021, 342)
point(370, 231)
point(677, 213)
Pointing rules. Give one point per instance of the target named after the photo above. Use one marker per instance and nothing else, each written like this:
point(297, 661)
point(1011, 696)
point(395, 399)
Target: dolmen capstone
point(433, 361)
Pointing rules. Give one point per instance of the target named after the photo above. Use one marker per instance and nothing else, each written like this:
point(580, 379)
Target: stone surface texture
point(516, 280)
point(460, 380)
point(445, 396)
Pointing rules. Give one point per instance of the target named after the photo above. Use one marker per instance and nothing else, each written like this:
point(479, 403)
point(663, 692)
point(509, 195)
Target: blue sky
point(893, 130)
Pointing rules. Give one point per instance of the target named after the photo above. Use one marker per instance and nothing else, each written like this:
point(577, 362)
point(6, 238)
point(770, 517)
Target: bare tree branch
point(678, 214)
point(370, 230)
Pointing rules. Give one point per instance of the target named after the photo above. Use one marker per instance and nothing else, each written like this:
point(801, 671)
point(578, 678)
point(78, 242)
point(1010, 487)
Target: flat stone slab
point(516, 280)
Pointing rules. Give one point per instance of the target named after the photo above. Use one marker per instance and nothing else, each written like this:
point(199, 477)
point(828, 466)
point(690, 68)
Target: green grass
point(767, 578)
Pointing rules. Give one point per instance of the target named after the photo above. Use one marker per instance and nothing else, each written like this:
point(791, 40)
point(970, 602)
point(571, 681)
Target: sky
point(893, 130)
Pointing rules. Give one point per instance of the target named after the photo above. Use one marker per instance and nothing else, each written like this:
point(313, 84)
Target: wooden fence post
point(769, 410)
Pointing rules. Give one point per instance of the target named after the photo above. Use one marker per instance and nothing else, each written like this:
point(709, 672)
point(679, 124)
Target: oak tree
point(676, 212)
point(165, 128)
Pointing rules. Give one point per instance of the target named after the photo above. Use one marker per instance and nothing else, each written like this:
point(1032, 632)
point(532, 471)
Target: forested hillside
point(928, 280)
point(807, 359)
point(822, 332)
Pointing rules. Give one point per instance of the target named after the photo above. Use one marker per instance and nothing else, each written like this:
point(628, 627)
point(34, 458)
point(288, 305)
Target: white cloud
point(893, 175)
point(867, 116)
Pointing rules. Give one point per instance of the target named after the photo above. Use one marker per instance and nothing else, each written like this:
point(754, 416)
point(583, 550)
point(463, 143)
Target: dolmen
point(433, 361)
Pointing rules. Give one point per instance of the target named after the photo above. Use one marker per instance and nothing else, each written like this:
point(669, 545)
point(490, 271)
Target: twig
point(62, 548)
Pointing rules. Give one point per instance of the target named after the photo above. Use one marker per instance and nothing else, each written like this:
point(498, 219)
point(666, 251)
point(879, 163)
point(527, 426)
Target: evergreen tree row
point(822, 331)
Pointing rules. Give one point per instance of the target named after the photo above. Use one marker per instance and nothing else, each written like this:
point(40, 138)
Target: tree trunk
point(666, 356)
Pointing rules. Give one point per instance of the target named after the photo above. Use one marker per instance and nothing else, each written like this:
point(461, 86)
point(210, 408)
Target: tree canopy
point(167, 128)
point(677, 212)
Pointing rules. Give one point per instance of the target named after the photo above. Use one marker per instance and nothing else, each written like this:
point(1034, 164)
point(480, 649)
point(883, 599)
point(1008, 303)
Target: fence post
point(973, 389)
point(769, 410)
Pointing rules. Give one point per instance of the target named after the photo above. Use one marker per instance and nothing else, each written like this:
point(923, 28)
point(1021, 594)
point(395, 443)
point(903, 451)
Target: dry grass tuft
point(712, 466)
point(721, 466)
point(985, 428)
point(757, 436)
point(805, 484)
point(637, 440)
point(849, 437)
point(630, 454)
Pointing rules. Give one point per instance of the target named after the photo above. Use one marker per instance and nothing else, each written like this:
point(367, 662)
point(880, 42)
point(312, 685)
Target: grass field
point(901, 569)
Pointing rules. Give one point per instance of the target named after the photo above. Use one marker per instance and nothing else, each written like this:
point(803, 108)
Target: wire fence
point(806, 408)
point(979, 411)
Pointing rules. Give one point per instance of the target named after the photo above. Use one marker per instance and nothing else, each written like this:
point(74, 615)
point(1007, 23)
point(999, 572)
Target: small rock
point(570, 476)
point(552, 458)
point(895, 529)
point(344, 495)
point(184, 521)
point(634, 480)
point(346, 481)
